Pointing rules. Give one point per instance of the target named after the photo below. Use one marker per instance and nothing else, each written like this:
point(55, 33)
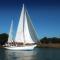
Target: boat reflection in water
point(20, 55)
point(36, 54)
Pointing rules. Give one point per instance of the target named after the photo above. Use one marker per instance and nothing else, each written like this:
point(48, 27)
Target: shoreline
point(44, 45)
point(49, 45)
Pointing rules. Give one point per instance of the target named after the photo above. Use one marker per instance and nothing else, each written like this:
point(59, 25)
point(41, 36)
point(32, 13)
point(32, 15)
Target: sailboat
point(26, 37)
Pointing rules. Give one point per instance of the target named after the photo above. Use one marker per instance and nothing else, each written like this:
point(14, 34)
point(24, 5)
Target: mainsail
point(25, 31)
point(29, 31)
point(10, 33)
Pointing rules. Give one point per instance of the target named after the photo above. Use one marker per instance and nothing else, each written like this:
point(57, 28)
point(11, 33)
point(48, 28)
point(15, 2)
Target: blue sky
point(45, 16)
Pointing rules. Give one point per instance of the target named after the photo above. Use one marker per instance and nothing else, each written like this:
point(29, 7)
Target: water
point(36, 54)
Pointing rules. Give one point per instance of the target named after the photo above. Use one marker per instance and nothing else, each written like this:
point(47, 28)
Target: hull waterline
point(21, 48)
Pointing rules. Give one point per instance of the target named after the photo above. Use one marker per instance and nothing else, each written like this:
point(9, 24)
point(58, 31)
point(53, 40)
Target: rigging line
point(23, 24)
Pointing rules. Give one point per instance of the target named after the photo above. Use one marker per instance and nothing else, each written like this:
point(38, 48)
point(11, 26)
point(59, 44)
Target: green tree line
point(50, 40)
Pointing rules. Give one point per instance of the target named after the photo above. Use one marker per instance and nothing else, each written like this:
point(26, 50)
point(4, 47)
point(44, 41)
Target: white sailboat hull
point(21, 47)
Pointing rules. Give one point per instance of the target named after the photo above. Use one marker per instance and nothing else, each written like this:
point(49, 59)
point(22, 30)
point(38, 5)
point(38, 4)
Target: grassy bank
point(49, 45)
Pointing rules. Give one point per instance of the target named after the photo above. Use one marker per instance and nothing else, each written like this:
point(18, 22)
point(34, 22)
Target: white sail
point(10, 33)
point(25, 31)
point(28, 32)
point(19, 34)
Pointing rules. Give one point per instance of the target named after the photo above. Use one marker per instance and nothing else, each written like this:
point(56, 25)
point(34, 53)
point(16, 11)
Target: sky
point(44, 14)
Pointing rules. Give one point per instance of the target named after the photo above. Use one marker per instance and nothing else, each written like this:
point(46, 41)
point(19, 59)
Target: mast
point(10, 33)
point(23, 25)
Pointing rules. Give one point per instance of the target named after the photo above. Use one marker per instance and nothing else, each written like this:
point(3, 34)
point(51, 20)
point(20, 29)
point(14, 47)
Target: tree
point(3, 38)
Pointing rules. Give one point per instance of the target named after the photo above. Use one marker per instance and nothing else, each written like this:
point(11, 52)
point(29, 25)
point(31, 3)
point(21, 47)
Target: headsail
point(10, 33)
point(25, 31)
point(19, 34)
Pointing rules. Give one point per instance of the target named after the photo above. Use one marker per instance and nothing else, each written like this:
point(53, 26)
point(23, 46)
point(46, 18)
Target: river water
point(36, 54)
